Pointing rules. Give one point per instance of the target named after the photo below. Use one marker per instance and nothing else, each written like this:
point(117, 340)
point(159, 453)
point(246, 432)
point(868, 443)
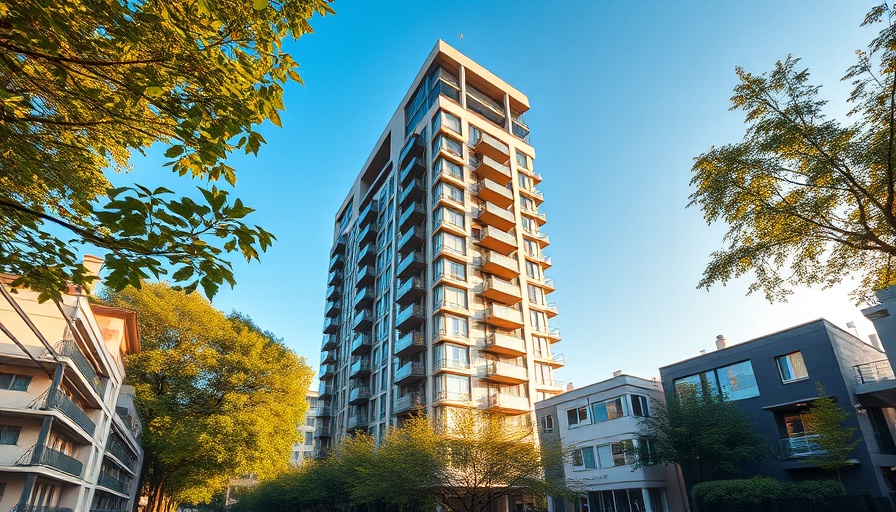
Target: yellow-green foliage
point(218, 397)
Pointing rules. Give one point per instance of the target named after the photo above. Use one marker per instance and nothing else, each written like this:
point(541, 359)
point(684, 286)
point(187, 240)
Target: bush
point(756, 490)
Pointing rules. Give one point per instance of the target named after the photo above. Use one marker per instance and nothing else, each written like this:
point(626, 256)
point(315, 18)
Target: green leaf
point(259, 5)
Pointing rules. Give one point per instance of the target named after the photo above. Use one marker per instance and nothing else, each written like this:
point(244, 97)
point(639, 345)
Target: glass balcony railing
point(874, 371)
point(800, 446)
point(409, 402)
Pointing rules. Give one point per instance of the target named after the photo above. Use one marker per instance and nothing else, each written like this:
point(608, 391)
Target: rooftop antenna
point(852, 325)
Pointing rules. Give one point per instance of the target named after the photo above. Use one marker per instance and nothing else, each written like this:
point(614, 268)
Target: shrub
point(756, 490)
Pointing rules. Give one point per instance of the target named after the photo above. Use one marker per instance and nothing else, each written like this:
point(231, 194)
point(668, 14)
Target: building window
point(639, 406)
point(522, 160)
point(584, 457)
point(453, 356)
point(14, 382)
point(578, 416)
point(450, 243)
point(452, 326)
point(449, 268)
point(309, 438)
point(734, 382)
point(447, 120)
point(449, 296)
point(447, 167)
point(446, 191)
point(608, 410)
point(792, 367)
point(450, 216)
point(647, 451)
point(449, 145)
point(614, 454)
point(9, 434)
point(547, 424)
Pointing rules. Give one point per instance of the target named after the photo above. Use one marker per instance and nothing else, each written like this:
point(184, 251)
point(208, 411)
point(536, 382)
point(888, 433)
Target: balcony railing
point(510, 371)
point(70, 350)
point(118, 450)
point(68, 407)
point(408, 402)
point(452, 364)
point(46, 456)
point(41, 508)
point(454, 396)
point(110, 482)
point(875, 371)
point(409, 343)
point(800, 446)
point(410, 371)
point(357, 421)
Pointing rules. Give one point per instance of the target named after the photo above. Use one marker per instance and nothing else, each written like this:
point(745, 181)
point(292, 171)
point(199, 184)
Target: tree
point(84, 84)
point(825, 420)
point(706, 435)
point(808, 200)
point(218, 397)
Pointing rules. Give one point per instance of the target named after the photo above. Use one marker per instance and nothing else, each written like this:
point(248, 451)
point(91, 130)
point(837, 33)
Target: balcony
point(110, 482)
point(368, 213)
point(338, 245)
point(411, 239)
point(365, 276)
point(322, 431)
point(412, 215)
point(409, 317)
point(505, 343)
point(357, 421)
point(330, 342)
point(359, 395)
point(411, 343)
point(410, 372)
point(493, 216)
point(46, 456)
point(800, 446)
point(337, 262)
point(333, 308)
point(490, 147)
point(452, 336)
point(501, 317)
point(550, 385)
point(410, 290)
point(491, 169)
point(550, 309)
point(334, 278)
point(542, 239)
point(327, 357)
point(413, 170)
point(412, 192)
point(497, 240)
point(368, 234)
point(367, 255)
point(499, 290)
point(410, 402)
point(361, 344)
point(553, 334)
point(322, 411)
point(117, 449)
point(70, 350)
point(327, 371)
point(504, 402)
point(333, 292)
point(453, 396)
point(360, 368)
point(331, 326)
point(540, 218)
point(875, 371)
point(499, 265)
point(363, 321)
point(488, 190)
point(555, 361)
point(325, 390)
point(60, 402)
point(412, 264)
point(506, 373)
point(413, 148)
point(364, 298)
point(533, 193)
point(452, 365)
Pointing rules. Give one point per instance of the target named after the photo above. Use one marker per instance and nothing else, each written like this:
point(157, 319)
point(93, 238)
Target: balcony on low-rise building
point(48, 457)
point(805, 445)
point(506, 373)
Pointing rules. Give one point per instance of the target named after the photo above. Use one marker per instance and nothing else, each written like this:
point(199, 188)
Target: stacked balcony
point(505, 343)
point(409, 317)
point(337, 262)
point(363, 321)
point(331, 326)
point(506, 373)
point(411, 239)
point(540, 218)
point(321, 411)
point(358, 395)
point(360, 368)
point(333, 292)
point(361, 344)
point(368, 234)
point(491, 147)
point(333, 308)
point(533, 193)
point(323, 430)
point(452, 366)
point(410, 290)
point(409, 344)
point(325, 390)
point(412, 192)
point(499, 265)
point(365, 276)
point(367, 255)
point(408, 403)
point(327, 371)
point(410, 372)
point(411, 170)
point(330, 342)
point(499, 290)
point(368, 213)
point(491, 215)
point(413, 148)
point(501, 317)
point(327, 357)
point(334, 278)
point(504, 402)
point(497, 240)
point(412, 215)
point(364, 298)
point(411, 264)
point(549, 309)
point(357, 421)
point(489, 168)
point(488, 190)
point(338, 246)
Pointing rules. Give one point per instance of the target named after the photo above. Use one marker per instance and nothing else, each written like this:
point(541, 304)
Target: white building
point(601, 422)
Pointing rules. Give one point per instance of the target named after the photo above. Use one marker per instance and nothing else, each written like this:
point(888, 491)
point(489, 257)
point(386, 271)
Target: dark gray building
point(773, 379)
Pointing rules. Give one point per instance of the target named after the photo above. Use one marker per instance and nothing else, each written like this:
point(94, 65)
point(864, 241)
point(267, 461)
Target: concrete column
point(507, 121)
point(26, 492)
point(462, 81)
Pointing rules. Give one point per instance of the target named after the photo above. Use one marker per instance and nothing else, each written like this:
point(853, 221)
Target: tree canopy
point(708, 436)
point(85, 83)
point(218, 397)
point(808, 199)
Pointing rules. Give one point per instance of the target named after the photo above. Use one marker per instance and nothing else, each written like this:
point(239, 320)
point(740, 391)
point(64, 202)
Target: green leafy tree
point(708, 436)
point(808, 199)
point(217, 396)
point(84, 84)
point(837, 442)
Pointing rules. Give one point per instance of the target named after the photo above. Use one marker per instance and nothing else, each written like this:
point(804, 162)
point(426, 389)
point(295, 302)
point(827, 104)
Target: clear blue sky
point(624, 95)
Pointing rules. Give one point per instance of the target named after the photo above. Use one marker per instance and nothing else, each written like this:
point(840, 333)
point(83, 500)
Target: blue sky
point(623, 96)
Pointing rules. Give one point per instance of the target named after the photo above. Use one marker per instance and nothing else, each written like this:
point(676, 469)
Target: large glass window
point(450, 268)
point(450, 243)
point(453, 387)
point(452, 326)
point(639, 406)
point(792, 367)
point(445, 190)
point(447, 144)
point(584, 457)
point(613, 454)
point(522, 160)
point(445, 295)
point(443, 166)
point(450, 216)
point(451, 355)
point(735, 382)
point(447, 120)
point(533, 270)
point(608, 410)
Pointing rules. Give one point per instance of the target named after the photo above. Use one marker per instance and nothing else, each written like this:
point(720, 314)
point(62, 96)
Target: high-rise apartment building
point(437, 295)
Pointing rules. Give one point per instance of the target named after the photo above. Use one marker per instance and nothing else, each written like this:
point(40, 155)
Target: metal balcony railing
point(68, 407)
point(45, 456)
point(70, 350)
point(874, 371)
point(117, 449)
point(800, 446)
point(110, 482)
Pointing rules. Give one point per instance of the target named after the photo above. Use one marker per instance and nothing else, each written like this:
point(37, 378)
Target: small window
point(547, 424)
point(584, 457)
point(522, 160)
point(9, 434)
point(639, 406)
point(792, 367)
point(578, 416)
point(14, 382)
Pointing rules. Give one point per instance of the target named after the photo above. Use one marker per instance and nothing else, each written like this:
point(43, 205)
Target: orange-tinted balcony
point(499, 290)
point(499, 265)
point(451, 365)
point(550, 309)
point(533, 193)
point(504, 402)
point(497, 217)
point(506, 373)
point(492, 169)
point(491, 147)
point(501, 317)
point(497, 240)
point(504, 343)
point(488, 190)
point(540, 218)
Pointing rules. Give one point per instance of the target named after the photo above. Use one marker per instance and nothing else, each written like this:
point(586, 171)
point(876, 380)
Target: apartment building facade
point(303, 449)
point(69, 435)
point(601, 421)
point(437, 295)
point(773, 379)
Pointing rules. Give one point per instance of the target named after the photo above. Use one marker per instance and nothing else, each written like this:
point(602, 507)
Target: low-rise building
point(68, 438)
point(773, 379)
point(601, 423)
